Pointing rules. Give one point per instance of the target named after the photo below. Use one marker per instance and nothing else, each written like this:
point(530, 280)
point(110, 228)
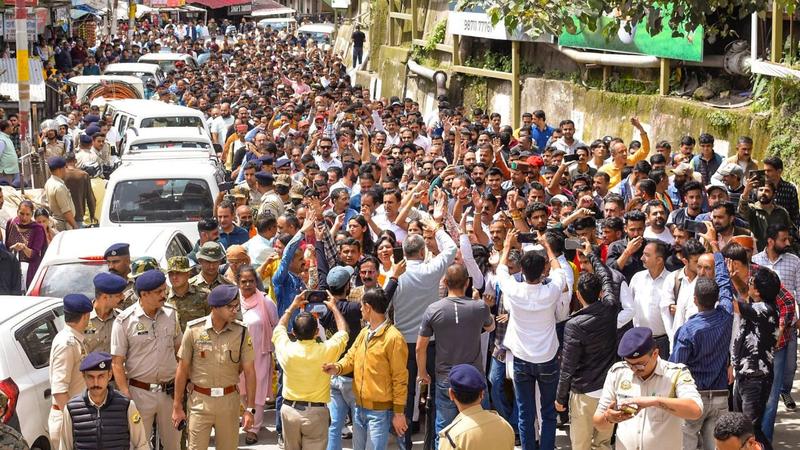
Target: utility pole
point(131, 20)
point(23, 82)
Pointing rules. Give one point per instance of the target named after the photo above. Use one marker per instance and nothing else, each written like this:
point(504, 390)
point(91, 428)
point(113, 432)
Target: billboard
point(688, 47)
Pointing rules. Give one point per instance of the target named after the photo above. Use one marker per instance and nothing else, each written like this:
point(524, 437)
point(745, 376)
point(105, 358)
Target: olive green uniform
point(201, 282)
point(215, 360)
point(191, 305)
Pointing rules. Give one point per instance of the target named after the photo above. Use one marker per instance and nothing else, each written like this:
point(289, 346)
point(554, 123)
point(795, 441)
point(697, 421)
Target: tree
point(554, 16)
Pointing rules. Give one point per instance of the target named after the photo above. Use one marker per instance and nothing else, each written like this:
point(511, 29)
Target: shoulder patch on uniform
point(240, 323)
point(136, 418)
point(125, 314)
point(197, 321)
point(618, 365)
point(249, 341)
point(168, 306)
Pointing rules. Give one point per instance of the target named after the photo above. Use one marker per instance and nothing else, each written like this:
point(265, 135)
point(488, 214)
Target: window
point(173, 200)
point(171, 145)
point(37, 337)
point(169, 122)
point(74, 278)
point(178, 246)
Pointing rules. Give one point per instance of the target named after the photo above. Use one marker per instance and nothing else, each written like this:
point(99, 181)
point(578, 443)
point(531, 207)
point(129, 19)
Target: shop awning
point(216, 4)
point(266, 8)
point(8, 79)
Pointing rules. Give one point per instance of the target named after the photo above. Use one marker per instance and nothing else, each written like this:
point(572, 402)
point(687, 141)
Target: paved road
point(787, 431)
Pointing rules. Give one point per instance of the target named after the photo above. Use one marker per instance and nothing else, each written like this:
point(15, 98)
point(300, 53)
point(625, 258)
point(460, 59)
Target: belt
point(295, 403)
point(215, 392)
point(152, 387)
point(713, 394)
point(660, 336)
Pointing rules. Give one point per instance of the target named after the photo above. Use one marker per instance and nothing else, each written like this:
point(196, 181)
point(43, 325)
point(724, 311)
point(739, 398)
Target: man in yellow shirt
point(620, 157)
point(306, 388)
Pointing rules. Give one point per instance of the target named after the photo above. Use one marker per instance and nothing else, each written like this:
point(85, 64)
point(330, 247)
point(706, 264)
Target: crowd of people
point(372, 259)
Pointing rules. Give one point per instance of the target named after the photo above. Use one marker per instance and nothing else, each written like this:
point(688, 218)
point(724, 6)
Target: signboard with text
point(36, 24)
point(240, 10)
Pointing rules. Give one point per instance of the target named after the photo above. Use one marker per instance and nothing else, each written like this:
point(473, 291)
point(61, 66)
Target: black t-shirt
point(358, 38)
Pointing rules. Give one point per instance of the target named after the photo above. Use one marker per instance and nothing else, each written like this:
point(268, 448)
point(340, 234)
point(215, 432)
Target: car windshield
point(171, 122)
point(144, 76)
point(148, 201)
point(73, 278)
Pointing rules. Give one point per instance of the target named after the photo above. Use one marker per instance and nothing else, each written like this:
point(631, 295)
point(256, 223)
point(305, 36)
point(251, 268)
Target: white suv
point(27, 328)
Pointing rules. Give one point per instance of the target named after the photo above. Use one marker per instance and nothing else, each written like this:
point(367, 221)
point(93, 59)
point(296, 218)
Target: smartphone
point(760, 176)
point(460, 170)
point(630, 408)
point(315, 302)
point(527, 238)
point(397, 254)
point(694, 226)
point(572, 244)
point(570, 158)
point(226, 186)
point(181, 425)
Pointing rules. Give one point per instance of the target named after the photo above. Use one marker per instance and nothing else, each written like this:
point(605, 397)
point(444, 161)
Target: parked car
point(164, 192)
point(167, 61)
point(28, 326)
point(144, 71)
point(74, 257)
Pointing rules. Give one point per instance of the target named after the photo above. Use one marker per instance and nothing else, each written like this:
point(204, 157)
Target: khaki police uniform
point(215, 359)
point(97, 335)
point(201, 282)
point(193, 304)
point(651, 428)
point(271, 202)
point(477, 429)
point(149, 347)
point(66, 355)
point(59, 200)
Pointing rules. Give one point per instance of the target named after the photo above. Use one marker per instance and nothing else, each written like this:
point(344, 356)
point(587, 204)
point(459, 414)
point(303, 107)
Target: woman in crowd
point(27, 238)
point(42, 217)
point(261, 316)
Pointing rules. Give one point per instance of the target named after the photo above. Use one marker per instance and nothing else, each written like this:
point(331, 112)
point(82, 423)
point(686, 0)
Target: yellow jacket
point(380, 375)
point(616, 174)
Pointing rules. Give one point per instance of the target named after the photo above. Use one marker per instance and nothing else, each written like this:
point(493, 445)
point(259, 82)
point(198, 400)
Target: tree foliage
point(552, 16)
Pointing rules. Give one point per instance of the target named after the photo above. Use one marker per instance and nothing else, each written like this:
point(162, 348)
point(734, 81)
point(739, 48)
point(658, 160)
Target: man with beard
point(657, 222)
point(776, 257)
point(219, 126)
point(83, 411)
point(722, 217)
point(693, 199)
point(625, 255)
point(244, 217)
point(762, 214)
point(478, 175)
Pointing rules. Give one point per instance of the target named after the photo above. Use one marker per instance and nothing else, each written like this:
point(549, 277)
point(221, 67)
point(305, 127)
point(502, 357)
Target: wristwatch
point(251, 411)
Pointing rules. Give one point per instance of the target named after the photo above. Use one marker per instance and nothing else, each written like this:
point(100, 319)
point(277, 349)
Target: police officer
point(138, 266)
point(108, 293)
point(65, 359)
point(209, 257)
point(143, 344)
point(648, 397)
point(189, 300)
point(474, 427)
point(121, 425)
point(214, 350)
point(118, 259)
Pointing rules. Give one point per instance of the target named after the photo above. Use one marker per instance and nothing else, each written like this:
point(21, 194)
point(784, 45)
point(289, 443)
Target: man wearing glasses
point(647, 397)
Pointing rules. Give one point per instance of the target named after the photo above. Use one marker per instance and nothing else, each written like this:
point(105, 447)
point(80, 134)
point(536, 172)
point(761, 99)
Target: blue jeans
point(279, 401)
point(446, 410)
point(500, 402)
point(791, 362)
point(527, 376)
point(371, 429)
point(771, 410)
point(342, 402)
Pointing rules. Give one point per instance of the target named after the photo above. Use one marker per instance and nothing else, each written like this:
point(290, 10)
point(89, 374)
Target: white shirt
point(684, 303)
point(385, 224)
point(664, 236)
point(423, 142)
point(325, 165)
point(561, 144)
point(562, 309)
point(647, 293)
point(220, 126)
point(626, 298)
point(531, 333)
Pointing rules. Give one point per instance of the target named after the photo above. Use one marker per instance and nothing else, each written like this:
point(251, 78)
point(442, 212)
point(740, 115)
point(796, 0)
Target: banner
point(35, 25)
point(689, 47)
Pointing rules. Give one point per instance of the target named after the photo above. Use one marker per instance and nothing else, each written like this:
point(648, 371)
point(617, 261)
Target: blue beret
point(77, 303)
point(222, 295)
point(86, 139)
point(96, 361)
point(119, 249)
point(264, 178)
point(282, 161)
point(56, 162)
point(266, 160)
point(92, 129)
point(466, 378)
point(636, 342)
point(91, 118)
point(109, 283)
point(150, 280)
